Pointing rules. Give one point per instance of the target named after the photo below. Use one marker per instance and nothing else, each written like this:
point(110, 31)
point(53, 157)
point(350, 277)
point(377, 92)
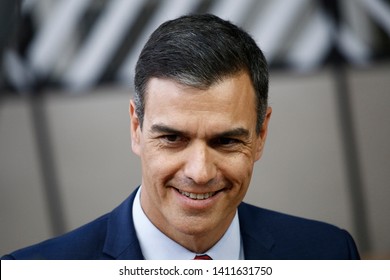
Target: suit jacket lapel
point(257, 241)
point(121, 240)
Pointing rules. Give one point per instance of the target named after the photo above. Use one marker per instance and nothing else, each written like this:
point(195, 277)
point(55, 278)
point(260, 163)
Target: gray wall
point(302, 171)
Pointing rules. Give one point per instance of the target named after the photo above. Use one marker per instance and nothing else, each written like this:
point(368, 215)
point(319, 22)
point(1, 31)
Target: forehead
point(230, 100)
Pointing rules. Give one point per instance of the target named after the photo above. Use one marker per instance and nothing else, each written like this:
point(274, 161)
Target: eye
point(225, 141)
point(171, 138)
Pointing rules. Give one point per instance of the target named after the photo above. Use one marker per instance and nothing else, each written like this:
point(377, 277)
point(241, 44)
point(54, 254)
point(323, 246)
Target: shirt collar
point(157, 246)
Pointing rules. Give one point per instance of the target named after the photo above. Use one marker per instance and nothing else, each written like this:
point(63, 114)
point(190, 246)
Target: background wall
point(65, 154)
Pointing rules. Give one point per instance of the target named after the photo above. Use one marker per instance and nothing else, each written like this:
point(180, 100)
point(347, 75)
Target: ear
point(263, 134)
point(135, 129)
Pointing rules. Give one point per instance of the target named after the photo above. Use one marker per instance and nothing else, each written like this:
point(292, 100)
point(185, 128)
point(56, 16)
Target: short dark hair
point(198, 51)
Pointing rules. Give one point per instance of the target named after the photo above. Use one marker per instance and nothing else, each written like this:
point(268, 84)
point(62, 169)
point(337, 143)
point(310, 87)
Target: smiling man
point(199, 122)
point(197, 147)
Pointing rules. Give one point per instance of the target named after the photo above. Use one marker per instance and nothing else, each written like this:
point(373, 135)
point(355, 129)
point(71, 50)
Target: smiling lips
point(197, 196)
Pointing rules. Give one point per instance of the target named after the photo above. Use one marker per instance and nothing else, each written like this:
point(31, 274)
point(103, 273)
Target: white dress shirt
point(157, 246)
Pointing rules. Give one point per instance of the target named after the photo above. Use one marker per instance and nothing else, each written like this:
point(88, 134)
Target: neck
point(197, 240)
point(197, 243)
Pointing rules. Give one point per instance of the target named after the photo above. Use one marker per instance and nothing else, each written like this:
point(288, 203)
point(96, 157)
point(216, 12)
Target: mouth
point(198, 196)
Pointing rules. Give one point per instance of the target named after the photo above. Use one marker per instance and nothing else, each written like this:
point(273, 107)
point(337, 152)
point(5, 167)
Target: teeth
point(197, 196)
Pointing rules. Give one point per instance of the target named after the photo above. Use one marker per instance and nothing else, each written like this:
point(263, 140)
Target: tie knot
point(202, 257)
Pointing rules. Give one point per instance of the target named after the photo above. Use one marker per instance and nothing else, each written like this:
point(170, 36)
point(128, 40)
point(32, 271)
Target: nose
point(200, 164)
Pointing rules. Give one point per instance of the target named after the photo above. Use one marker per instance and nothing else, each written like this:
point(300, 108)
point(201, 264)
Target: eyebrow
point(161, 128)
point(235, 132)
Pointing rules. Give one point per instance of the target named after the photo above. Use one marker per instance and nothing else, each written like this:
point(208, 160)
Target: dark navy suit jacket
point(266, 235)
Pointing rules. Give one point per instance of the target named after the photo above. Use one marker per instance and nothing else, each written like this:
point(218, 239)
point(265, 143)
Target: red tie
point(202, 257)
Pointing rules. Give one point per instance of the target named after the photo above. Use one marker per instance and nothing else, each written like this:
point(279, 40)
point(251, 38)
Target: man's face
point(197, 149)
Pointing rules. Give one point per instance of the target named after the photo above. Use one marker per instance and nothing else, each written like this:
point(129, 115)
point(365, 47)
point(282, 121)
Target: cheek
point(238, 170)
point(157, 166)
